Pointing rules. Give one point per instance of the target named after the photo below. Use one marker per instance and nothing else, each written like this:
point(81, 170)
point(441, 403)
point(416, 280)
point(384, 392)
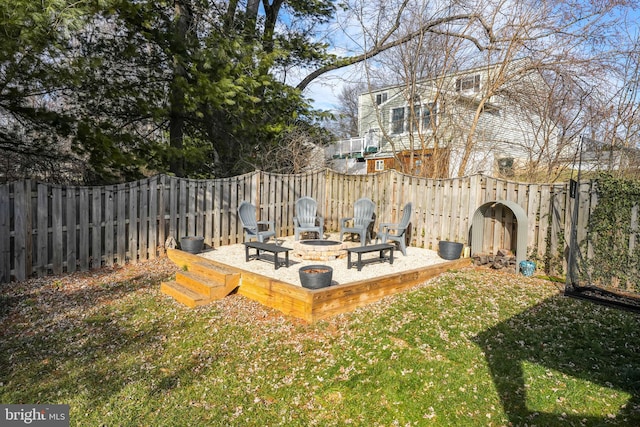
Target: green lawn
point(470, 348)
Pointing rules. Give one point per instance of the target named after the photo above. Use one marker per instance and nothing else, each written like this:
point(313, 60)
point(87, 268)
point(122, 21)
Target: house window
point(423, 117)
point(505, 166)
point(414, 119)
point(417, 165)
point(379, 165)
point(471, 83)
point(380, 98)
point(397, 120)
point(428, 116)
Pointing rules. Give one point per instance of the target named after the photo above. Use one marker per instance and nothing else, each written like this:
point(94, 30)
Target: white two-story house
point(477, 120)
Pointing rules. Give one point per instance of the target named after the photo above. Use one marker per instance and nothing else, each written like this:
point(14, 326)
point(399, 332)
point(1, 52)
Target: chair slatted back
point(247, 214)
point(306, 211)
point(363, 211)
point(406, 215)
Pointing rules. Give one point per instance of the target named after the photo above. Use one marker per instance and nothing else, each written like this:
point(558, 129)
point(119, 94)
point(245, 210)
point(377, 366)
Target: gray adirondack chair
point(254, 229)
point(307, 219)
point(397, 232)
point(359, 223)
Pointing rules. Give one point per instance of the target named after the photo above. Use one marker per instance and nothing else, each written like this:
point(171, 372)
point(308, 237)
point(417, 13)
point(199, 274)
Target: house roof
point(465, 72)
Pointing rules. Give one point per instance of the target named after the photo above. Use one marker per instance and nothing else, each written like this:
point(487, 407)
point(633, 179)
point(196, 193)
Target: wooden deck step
point(213, 288)
point(183, 294)
point(215, 272)
point(200, 281)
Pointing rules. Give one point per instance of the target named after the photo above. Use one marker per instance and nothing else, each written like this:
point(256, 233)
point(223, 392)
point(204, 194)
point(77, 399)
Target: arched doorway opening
point(486, 211)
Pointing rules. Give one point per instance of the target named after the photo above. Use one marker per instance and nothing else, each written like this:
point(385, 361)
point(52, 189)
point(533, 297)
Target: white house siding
point(349, 166)
point(505, 134)
point(503, 131)
point(379, 119)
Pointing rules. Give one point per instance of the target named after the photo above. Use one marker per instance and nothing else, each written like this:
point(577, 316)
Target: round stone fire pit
point(319, 250)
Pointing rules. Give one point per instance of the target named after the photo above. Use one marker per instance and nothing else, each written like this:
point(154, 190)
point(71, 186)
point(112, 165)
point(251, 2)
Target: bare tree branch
point(384, 44)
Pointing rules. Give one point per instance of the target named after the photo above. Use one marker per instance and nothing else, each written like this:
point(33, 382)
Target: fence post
point(56, 230)
point(70, 221)
point(22, 241)
point(42, 229)
point(5, 232)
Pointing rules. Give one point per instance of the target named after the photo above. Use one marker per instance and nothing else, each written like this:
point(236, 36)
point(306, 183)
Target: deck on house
point(202, 281)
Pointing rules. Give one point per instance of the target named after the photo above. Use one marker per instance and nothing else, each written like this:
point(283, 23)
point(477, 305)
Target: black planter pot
point(315, 276)
point(192, 244)
point(449, 250)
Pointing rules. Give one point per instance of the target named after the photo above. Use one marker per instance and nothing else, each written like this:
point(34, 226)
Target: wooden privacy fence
point(48, 229)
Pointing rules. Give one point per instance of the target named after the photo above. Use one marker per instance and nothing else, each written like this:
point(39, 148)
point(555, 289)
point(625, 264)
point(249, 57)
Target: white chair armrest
point(343, 221)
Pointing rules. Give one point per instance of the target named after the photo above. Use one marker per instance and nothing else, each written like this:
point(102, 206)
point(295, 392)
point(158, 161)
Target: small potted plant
point(192, 244)
point(449, 250)
point(315, 276)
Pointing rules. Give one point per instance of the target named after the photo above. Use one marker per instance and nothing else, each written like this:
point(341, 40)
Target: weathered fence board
point(121, 227)
point(154, 218)
point(133, 222)
point(544, 219)
point(161, 224)
point(173, 207)
point(5, 233)
point(143, 226)
point(43, 226)
point(208, 214)
point(57, 248)
point(83, 245)
point(417, 225)
point(50, 229)
point(108, 226)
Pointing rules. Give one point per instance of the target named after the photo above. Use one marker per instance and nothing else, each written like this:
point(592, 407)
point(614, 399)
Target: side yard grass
point(470, 348)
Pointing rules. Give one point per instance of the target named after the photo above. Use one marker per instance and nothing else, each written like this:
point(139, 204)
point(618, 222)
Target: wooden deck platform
point(292, 300)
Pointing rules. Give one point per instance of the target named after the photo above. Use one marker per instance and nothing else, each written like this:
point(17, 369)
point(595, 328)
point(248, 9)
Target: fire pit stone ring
point(319, 250)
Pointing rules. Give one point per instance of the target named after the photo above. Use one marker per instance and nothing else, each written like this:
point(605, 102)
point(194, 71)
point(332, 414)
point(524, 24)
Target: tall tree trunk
point(230, 15)
point(271, 19)
point(252, 10)
point(183, 21)
point(176, 128)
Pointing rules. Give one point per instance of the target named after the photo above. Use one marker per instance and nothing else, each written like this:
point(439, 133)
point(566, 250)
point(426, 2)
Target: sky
point(324, 91)
point(343, 35)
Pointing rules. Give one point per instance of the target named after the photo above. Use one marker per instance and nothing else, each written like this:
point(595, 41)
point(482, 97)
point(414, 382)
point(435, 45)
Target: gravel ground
point(235, 255)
